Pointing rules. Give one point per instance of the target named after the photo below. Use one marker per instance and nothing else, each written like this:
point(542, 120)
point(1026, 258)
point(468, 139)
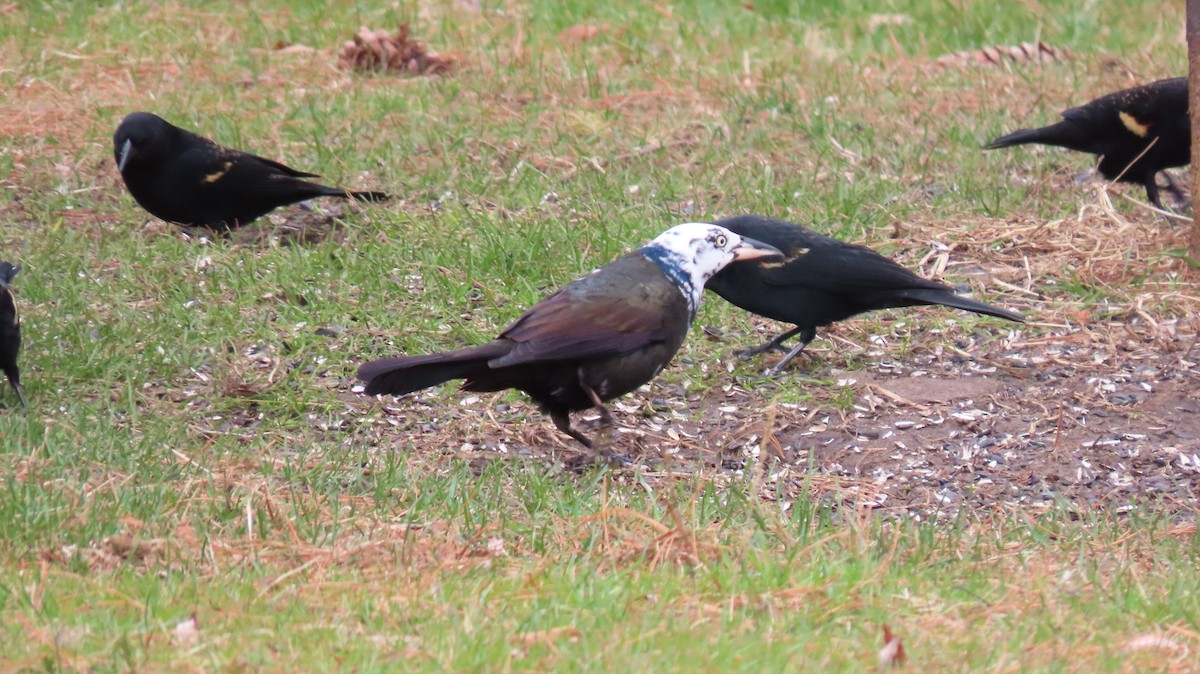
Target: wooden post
point(1193, 41)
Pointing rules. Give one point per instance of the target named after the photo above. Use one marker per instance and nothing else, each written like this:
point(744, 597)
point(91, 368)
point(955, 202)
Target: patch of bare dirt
point(1027, 424)
point(301, 225)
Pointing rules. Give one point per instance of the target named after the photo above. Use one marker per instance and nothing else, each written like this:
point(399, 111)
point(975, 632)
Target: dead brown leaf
point(1035, 52)
point(381, 51)
point(892, 654)
point(581, 33)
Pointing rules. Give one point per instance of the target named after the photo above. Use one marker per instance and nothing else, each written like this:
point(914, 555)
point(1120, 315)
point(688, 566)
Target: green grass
point(181, 395)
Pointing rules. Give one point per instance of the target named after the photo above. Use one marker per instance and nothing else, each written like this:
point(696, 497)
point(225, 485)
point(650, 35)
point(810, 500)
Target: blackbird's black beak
point(751, 249)
point(126, 151)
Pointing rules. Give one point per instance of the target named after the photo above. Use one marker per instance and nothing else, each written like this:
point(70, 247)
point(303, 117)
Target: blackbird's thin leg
point(804, 341)
point(21, 394)
point(776, 343)
point(1152, 192)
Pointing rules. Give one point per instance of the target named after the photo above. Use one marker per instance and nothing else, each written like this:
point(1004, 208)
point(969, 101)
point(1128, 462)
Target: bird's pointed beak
point(126, 150)
point(755, 250)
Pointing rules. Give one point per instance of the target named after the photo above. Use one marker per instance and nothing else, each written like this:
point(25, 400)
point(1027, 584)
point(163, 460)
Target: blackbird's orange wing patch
point(1135, 127)
point(215, 176)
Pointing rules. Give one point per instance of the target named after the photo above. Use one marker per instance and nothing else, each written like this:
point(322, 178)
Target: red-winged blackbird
point(184, 178)
point(595, 339)
point(822, 280)
point(1136, 132)
point(10, 330)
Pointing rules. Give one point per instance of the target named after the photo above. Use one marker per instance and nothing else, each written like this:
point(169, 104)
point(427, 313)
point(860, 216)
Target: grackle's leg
point(562, 421)
point(604, 435)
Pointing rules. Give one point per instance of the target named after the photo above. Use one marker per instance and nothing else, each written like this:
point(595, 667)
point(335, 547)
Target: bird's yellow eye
point(721, 241)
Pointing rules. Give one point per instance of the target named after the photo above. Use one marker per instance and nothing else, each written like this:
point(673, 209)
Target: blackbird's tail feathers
point(946, 298)
point(1064, 134)
point(343, 193)
point(367, 196)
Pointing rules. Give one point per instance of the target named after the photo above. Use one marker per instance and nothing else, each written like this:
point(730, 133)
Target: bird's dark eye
point(721, 241)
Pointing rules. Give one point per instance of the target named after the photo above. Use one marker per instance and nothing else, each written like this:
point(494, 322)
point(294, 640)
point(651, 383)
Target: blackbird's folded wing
point(1134, 110)
point(203, 151)
point(248, 178)
point(281, 168)
point(843, 269)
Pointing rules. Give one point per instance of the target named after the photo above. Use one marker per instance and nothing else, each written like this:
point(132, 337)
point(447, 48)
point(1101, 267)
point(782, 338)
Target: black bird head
point(141, 136)
point(8, 272)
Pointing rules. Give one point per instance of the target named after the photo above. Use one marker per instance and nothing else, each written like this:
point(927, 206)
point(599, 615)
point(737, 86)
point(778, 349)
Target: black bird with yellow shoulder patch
point(597, 338)
point(188, 179)
point(10, 329)
point(822, 280)
point(1136, 133)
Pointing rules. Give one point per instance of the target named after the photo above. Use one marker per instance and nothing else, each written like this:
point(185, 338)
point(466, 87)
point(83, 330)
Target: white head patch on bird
point(691, 253)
